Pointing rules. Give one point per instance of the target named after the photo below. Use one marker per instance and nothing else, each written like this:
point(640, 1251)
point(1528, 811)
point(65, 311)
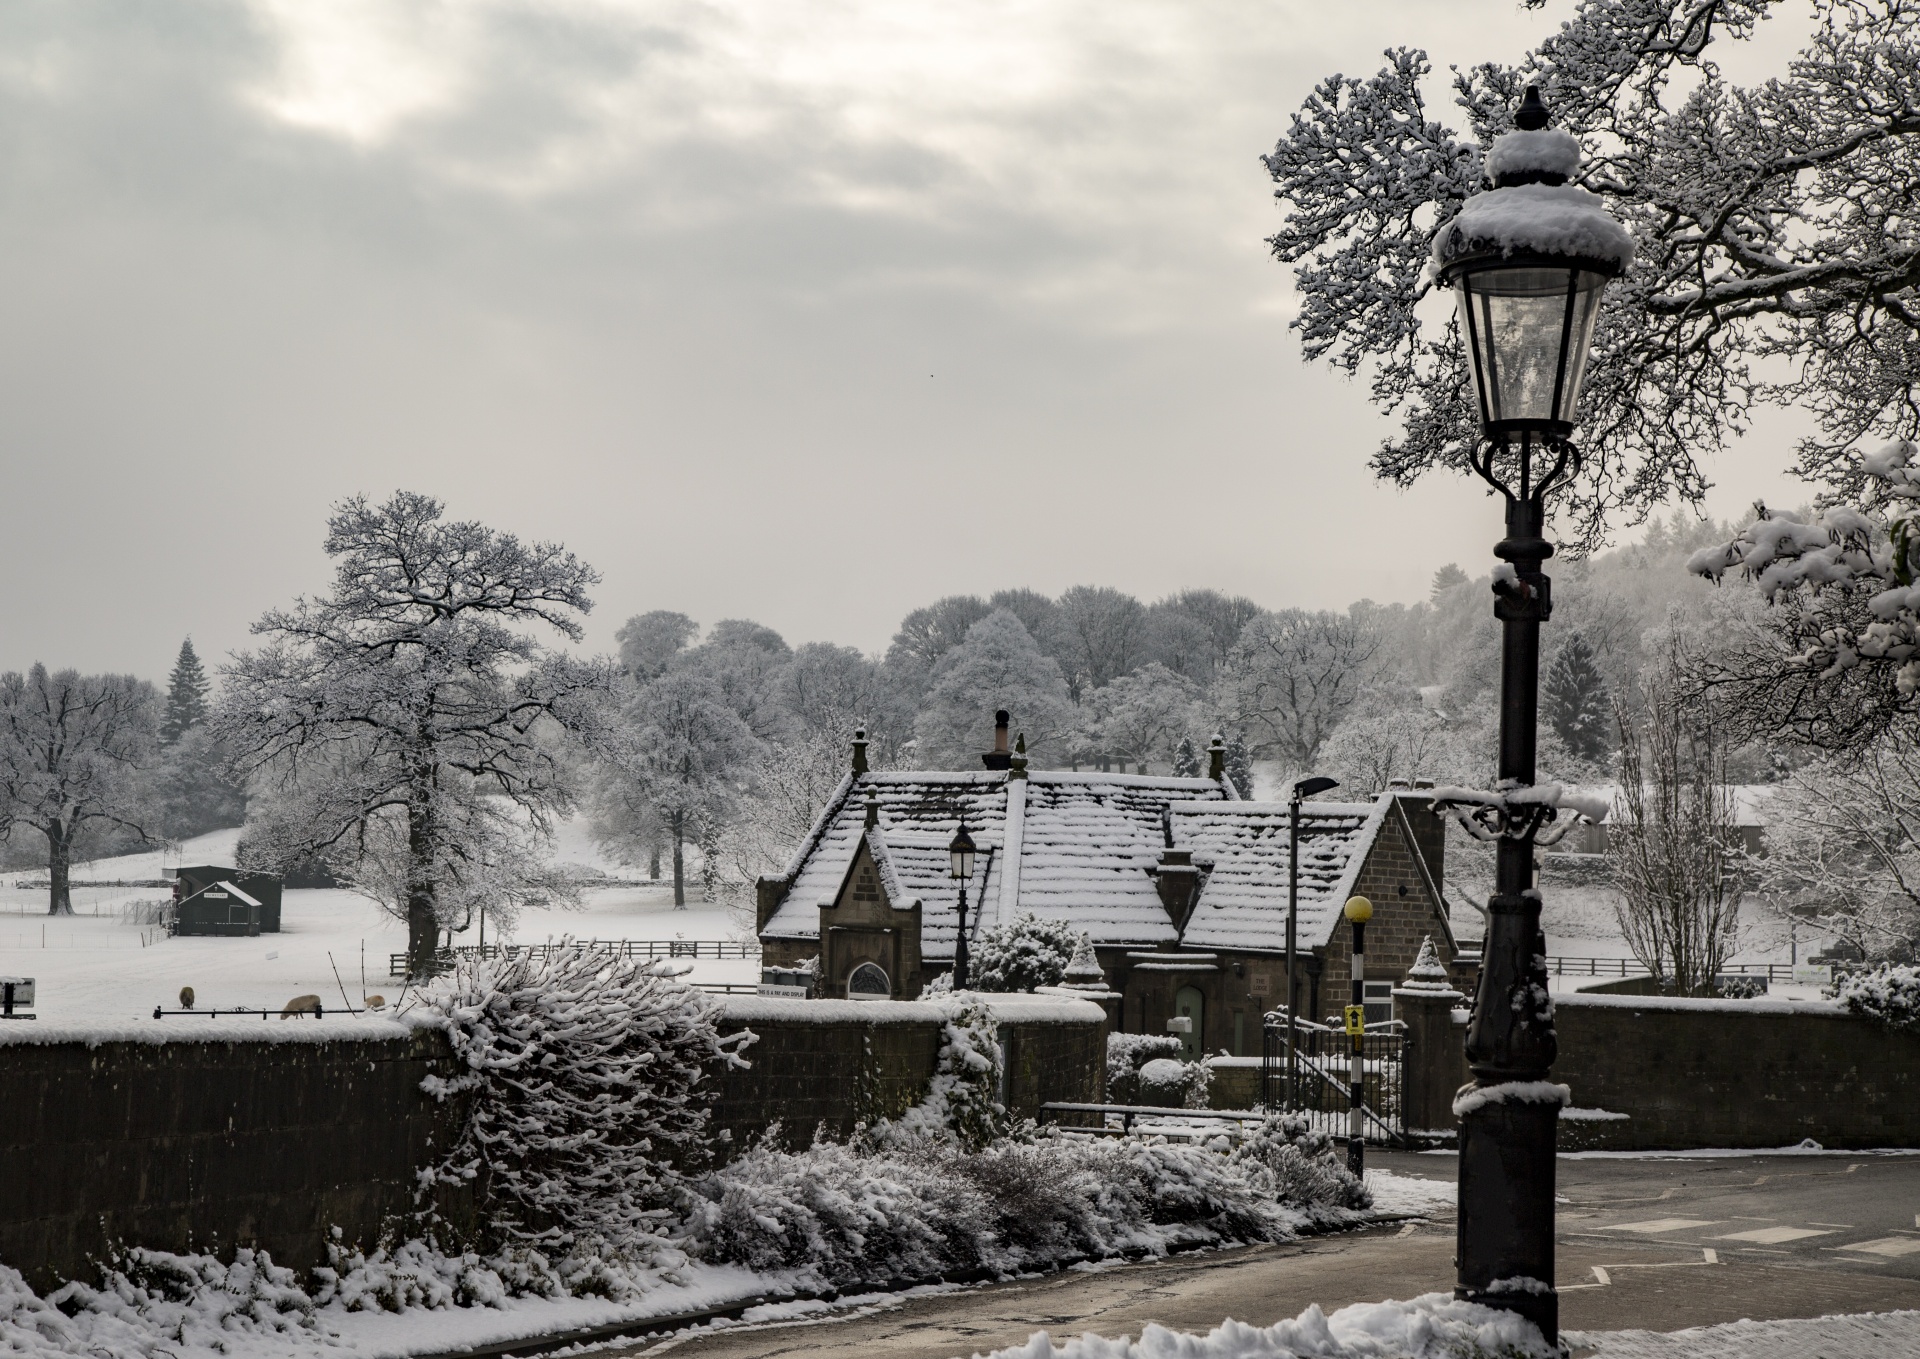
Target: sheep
point(301, 1005)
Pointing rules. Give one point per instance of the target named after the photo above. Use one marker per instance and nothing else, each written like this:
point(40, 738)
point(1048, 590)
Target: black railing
point(613, 948)
point(1631, 967)
point(1324, 1076)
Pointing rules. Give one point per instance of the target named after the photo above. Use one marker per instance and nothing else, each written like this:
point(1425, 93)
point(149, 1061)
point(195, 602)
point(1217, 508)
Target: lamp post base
point(1505, 1225)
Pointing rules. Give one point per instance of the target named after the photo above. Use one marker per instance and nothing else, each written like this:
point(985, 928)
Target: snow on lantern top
point(1532, 210)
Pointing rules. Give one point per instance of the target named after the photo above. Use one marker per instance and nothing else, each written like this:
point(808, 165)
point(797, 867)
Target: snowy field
point(98, 966)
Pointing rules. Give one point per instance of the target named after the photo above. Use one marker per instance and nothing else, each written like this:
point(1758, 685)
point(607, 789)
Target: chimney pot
point(873, 811)
point(999, 757)
point(859, 750)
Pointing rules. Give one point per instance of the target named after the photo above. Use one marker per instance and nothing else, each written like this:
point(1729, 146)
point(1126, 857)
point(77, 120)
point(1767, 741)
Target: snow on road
point(101, 966)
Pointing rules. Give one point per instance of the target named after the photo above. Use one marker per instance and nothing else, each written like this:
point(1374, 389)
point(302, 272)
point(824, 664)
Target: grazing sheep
point(376, 1002)
point(300, 1005)
point(186, 997)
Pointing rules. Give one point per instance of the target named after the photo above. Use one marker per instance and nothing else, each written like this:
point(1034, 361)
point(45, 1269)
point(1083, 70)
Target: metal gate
point(1324, 1067)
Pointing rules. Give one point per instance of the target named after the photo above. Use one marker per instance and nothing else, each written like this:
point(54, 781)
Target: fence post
point(1435, 1053)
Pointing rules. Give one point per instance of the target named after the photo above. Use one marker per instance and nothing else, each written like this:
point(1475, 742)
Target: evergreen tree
point(1186, 760)
point(187, 689)
point(1445, 579)
point(1240, 765)
point(1575, 702)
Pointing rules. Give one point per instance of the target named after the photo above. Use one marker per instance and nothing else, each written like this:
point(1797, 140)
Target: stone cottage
point(1181, 885)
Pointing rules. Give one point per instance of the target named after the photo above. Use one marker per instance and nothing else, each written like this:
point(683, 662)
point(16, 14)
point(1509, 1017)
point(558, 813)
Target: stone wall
point(832, 1064)
point(1705, 1073)
point(1712, 1073)
point(203, 1135)
point(204, 1145)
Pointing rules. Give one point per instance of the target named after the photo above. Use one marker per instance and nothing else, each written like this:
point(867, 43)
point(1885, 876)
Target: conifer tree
point(1574, 700)
point(1186, 760)
point(187, 689)
point(1240, 765)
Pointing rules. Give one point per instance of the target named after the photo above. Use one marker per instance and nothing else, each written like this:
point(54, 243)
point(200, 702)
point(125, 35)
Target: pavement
point(1644, 1242)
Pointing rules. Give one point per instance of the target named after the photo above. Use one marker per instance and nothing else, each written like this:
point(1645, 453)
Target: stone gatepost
point(1436, 1048)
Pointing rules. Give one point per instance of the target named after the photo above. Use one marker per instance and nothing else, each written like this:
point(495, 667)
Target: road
point(1661, 1244)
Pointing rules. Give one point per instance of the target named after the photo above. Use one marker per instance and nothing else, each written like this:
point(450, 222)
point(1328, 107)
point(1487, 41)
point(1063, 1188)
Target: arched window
point(868, 982)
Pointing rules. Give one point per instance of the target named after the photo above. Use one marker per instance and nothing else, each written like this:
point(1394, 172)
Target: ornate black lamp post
point(961, 853)
point(1302, 790)
point(1527, 261)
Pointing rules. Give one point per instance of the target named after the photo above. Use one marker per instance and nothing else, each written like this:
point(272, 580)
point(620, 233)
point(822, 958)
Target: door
point(1190, 1005)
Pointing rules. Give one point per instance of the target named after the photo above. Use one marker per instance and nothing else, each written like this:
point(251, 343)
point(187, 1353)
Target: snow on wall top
point(1084, 843)
point(1243, 903)
point(1547, 219)
point(1007, 1009)
point(219, 1029)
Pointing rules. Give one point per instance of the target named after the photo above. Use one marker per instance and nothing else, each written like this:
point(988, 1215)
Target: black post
point(1293, 914)
point(1357, 1080)
point(960, 945)
point(1505, 1224)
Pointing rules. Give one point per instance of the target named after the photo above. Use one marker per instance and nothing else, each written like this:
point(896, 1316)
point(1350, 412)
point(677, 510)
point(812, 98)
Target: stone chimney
point(1178, 882)
point(859, 750)
point(1017, 763)
point(999, 757)
point(1217, 758)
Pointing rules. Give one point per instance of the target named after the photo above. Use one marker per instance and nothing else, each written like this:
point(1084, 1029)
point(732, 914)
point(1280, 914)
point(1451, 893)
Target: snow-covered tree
point(1446, 578)
point(1240, 765)
point(1186, 759)
point(827, 691)
point(1102, 635)
point(72, 748)
point(997, 666)
point(1843, 847)
point(650, 642)
point(1137, 717)
point(1022, 954)
point(1294, 674)
point(1575, 700)
point(679, 760)
point(928, 634)
point(406, 720)
point(187, 690)
point(1672, 842)
point(1221, 619)
point(1776, 260)
point(193, 789)
point(1390, 733)
point(742, 659)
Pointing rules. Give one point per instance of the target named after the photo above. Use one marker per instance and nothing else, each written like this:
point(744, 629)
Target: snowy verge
point(1394, 1195)
point(1860, 1335)
point(1701, 1003)
point(1432, 1326)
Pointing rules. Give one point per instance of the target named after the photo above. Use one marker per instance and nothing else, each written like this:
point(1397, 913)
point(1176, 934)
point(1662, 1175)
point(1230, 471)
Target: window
point(1379, 999)
point(868, 982)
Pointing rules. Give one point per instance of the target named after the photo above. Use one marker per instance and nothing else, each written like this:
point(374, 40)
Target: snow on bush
point(962, 1101)
point(1145, 1068)
point(1889, 993)
point(1019, 956)
point(152, 1303)
point(888, 1209)
point(1432, 1326)
point(587, 1087)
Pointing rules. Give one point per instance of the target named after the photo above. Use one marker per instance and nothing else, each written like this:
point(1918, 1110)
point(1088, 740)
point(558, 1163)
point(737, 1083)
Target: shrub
point(586, 1081)
point(1889, 993)
point(1019, 956)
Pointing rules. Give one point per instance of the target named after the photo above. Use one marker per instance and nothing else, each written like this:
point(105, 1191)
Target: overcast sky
point(806, 311)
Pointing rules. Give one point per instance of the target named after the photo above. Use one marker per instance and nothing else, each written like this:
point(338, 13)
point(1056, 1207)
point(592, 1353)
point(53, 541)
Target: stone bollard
point(1436, 1046)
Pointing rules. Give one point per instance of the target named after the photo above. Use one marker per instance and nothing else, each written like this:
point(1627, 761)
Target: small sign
point(790, 992)
point(1180, 1024)
point(1356, 1018)
point(1804, 975)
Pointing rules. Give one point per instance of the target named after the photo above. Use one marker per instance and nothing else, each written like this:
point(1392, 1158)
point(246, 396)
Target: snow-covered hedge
point(1889, 993)
point(588, 1084)
point(1021, 955)
point(888, 1209)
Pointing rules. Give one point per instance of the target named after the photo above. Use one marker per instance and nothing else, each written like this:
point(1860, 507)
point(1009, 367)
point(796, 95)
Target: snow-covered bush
point(587, 1087)
point(962, 1102)
point(1169, 1083)
point(868, 1212)
point(1889, 993)
point(1019, 956)
point(1145, 1068)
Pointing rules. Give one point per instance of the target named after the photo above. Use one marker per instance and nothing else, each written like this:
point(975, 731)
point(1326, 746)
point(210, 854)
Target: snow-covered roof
point(1065, 846)
point(1243, 903)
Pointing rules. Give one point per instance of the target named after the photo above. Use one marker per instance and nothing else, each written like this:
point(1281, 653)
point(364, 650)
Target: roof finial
point(1017, 765)
point(873, 809)
point(1217, 758)
point(859, 750)
point(1531, 116)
